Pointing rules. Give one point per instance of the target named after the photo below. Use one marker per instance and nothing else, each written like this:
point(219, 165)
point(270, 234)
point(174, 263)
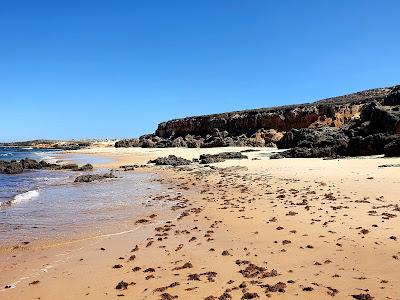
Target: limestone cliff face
point(281, 119)
point(333, 112)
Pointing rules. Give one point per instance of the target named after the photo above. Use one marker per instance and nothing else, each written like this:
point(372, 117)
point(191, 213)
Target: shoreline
point(238, 208)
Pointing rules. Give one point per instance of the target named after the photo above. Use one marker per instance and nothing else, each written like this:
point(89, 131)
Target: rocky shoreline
point(17, 167)
point(359, 124)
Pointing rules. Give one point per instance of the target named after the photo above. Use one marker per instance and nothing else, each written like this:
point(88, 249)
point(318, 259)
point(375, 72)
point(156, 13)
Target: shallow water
point(41, 206)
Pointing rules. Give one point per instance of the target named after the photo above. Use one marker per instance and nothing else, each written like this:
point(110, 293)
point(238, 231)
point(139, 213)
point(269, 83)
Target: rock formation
point(362, 123)
point(16, 167)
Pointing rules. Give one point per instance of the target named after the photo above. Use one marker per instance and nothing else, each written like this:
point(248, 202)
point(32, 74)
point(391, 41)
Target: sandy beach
point(242, 229)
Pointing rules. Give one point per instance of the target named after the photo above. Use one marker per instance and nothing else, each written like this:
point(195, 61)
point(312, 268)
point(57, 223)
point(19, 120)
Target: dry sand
point(290, 228)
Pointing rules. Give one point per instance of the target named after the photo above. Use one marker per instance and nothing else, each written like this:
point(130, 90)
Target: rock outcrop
point(170, 160)
point(94, 177)
point(362, 123)
point(16, 167)
point(220, 157)
point(392, 149)
point(376, 128)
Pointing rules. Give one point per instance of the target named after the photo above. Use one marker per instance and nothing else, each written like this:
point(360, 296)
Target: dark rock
point(14, 167)
point(394, 97)
point(329, 112)
point(87, 167)
point(171, 160)
point(179, 142)
point(392, 149)
point(250, 296)
point(127, 143)
point(316, 138)
point(220, 157)
point(30, 164)
point(306, 153)
point(93, 177)
point(373, 144)
point(363, 297)
point(384, 120)
point(122, 285)
point(278, 287)
point(74, 167)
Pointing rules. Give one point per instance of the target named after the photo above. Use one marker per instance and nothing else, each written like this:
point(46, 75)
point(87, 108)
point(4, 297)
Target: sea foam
point(25, 196)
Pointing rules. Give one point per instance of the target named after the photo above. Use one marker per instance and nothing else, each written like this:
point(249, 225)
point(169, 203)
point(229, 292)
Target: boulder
point(94, 177)
point(170, 160)
point(392, 149)
point(384, 120)
point(179, 142)
point(30, 164)
point(87, 167)
point(220, 157)
point(303, 152)
point(314, 137)
point(373, 144)
point(127, 143)
point(394, 97)
point(14, 167)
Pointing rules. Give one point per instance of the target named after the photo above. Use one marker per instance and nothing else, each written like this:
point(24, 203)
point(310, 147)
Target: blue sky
point(80, 69)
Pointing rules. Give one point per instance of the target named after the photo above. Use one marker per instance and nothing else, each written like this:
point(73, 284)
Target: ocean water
point(42, 205)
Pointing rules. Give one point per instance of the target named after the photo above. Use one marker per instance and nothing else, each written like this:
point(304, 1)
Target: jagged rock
point(30, 164)
point(270, 136)
point(220, 157)
point(384, 120)
point(194, 142)
point(394, 97)
point(306, 153)
point(179, 142)
point(315, 138)
point(93, 177)
point(87, 167)
point(171, 160)
point(328, 112)
point(373, 144)
point(14, 167)
point(127, 143)
point(320, 129)
point(392, 149)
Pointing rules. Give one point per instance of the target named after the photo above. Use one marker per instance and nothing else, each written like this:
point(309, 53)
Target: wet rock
point(14, 167)
point(87, 167)
point(94, 177)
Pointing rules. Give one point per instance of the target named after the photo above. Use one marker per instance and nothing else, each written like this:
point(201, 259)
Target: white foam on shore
point(46, 157)
point(25, 196)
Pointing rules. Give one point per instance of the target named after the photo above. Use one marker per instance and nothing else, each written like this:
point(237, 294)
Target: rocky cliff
point(362, 123)
point(329, 112)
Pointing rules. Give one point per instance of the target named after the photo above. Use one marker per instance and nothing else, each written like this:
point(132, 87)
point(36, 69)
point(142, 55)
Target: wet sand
point(246, 229)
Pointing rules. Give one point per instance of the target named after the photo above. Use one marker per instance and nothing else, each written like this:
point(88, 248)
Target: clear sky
point(80, 69)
